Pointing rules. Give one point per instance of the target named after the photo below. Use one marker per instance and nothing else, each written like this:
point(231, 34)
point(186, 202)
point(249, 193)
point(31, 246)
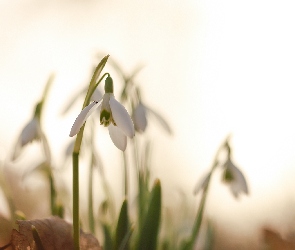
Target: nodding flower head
point(112, 115)
point(140, 118)
point(235, 178)
point(31, 132)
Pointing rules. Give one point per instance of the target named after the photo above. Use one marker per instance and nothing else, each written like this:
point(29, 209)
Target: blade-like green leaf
point(94, 78)
point(36, 237)
point(122, 227)
point(149, 232)
point(108, 241)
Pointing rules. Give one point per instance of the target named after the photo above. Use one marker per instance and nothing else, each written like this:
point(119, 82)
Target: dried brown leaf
point(88, 242)
point(276, 242)
point(54, 233)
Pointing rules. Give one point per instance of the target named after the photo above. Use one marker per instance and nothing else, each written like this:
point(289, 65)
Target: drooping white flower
point(29, 133)
point(235, 178)
point(112, 115)
point(139, 118)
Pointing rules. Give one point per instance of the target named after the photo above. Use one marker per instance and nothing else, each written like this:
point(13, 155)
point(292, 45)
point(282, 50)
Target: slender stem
point(90, 180)
point(90, 198)
point(76, 222)
point(52, 195)
point(199, 217)
point(140, 183)
point(125, 175)
point(76, 151)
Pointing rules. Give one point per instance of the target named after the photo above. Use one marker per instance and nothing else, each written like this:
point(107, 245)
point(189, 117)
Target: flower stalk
point(189, 245)
point(75, 156)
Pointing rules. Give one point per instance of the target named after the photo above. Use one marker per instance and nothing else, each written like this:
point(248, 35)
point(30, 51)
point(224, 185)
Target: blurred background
point(211, 68)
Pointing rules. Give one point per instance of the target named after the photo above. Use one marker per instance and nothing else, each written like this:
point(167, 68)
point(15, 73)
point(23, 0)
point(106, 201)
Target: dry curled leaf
point(54, 234)
point(276, 242)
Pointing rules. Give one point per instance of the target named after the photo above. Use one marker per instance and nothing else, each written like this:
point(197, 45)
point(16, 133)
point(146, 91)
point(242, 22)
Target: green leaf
point(108, 241)
point(149, 232)
point(94, 78)
point(38, 242)
point(122, 227)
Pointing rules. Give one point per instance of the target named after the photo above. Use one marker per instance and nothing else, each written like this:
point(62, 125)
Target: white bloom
point(29, 133)
point(235, 178)
point(112, 115)
point(139, 118)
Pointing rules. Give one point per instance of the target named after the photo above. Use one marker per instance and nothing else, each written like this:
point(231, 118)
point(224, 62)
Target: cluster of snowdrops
point(144, 228)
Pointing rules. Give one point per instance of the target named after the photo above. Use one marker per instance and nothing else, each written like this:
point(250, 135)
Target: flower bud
point(108, 87)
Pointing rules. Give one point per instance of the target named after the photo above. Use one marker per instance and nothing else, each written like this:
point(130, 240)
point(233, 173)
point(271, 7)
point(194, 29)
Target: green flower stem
point(45, 144)
point(199, 217)
point(90, 182)
point(76, 220)
point(53, 194)
point(140, 184)
point(76, 209)
point(76, 151)
point(125, 175)
point(90, 198)
point(39, 107)
point(7, 194)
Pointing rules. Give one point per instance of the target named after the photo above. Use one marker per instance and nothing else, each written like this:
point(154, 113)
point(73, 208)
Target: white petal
point(85, 113)
point(118, 137)
point(238, 184)
point(139, 118)
point(121, 117)
point(30, 132)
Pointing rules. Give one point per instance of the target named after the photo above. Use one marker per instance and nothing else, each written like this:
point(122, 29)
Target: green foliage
point(108, 241)
point(122, 228)
point(141, 231)
point(148, 235)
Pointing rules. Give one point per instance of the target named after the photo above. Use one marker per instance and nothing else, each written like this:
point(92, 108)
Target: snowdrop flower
point(235, 178)
point(29, 133)
point(112, 115)
point(139, 118)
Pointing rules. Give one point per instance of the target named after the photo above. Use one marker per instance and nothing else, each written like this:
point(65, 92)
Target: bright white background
point(211, 68)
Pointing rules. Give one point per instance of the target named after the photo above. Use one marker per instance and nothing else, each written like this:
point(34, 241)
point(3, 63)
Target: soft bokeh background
point(210, 67)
